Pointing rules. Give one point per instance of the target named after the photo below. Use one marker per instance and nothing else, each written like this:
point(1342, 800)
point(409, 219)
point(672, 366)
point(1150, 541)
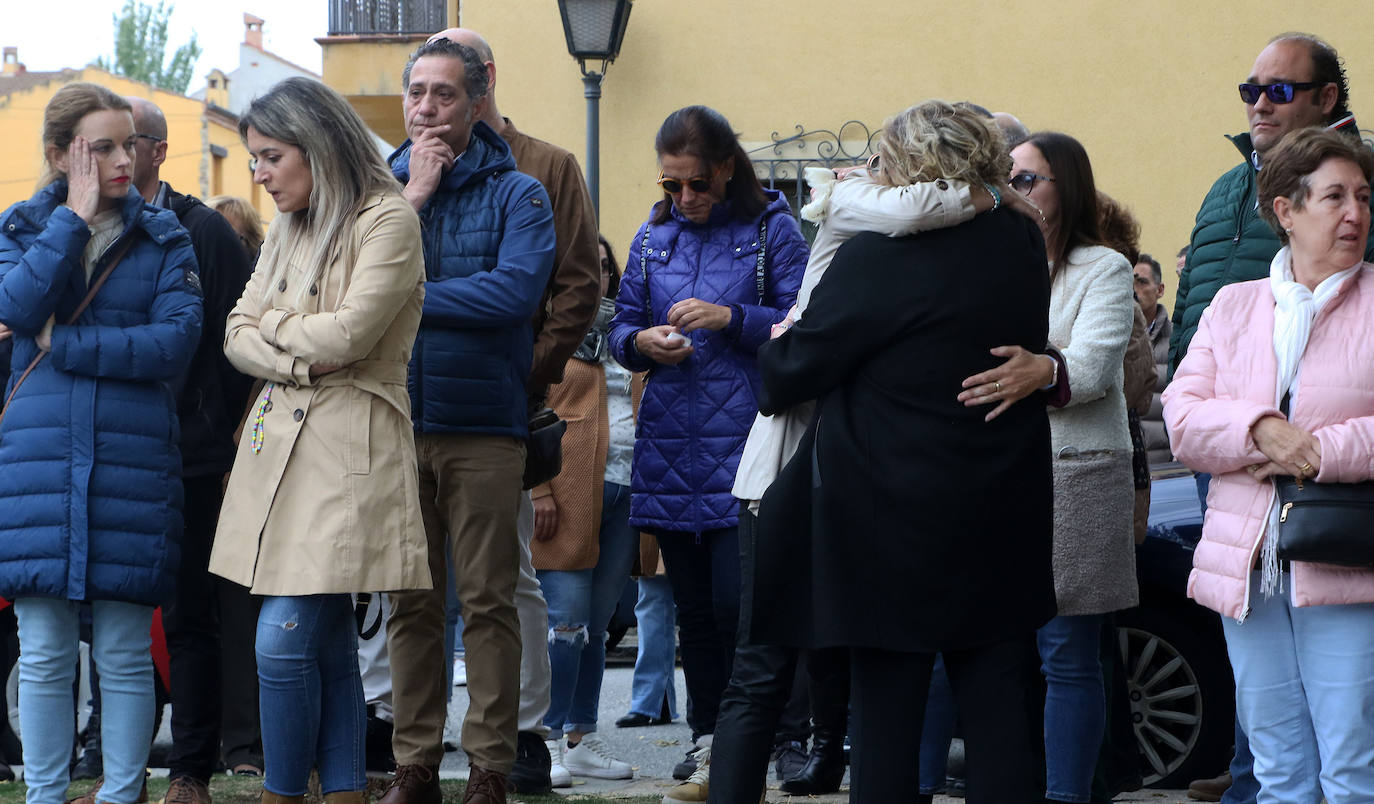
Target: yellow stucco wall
point(190, 165)
point(1148, 87)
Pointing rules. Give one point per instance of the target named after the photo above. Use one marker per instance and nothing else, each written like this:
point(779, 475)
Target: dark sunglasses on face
point(1023, 183)
point(1280, 92)
point(672, 186)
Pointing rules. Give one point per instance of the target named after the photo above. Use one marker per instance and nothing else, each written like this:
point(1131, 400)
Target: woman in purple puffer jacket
point(718, 263)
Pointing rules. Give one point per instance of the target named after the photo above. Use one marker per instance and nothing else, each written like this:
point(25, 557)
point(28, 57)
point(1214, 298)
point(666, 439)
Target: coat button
point(298, 415)
point(281, 286)
point(314, 290)
point(268, 407)
point(942, 184)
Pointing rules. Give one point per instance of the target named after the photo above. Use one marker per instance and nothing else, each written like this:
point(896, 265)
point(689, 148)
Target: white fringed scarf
point(1295, 308)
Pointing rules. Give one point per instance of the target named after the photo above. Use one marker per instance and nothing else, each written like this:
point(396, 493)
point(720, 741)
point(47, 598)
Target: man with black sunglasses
point(1297, 81)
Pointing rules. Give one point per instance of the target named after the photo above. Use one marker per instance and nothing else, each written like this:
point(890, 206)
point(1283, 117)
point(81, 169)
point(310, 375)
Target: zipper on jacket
point(1254, 551)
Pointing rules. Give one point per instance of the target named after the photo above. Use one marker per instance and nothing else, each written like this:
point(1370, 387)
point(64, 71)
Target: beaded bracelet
point(260, 413)
point(996, 196)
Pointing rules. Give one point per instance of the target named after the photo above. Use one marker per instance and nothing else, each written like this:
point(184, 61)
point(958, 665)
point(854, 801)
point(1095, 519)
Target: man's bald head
point(150, 147)
point(1012, 129)
point(148, 118)
point(469, 37)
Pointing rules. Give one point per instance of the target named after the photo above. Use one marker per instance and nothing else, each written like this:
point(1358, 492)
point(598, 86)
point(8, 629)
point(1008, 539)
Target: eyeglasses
point(1280, 92)
point(672, 186)
point(1023, 183)
point(150, 137)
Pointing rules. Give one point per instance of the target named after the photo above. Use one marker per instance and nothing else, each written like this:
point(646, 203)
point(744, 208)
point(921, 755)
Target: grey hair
point(345, 166)
point(934, 140)
point(474, 68)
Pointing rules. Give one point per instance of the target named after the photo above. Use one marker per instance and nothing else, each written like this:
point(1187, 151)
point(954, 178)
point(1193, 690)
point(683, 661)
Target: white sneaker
point(558, 773)
point(460, 672)
point(592, 757)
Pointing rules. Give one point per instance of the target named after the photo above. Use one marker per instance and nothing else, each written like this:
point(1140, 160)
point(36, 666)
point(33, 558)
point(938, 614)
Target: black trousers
point(211, 627)
point(703, 570)
point(992, 691)
point(754, 706)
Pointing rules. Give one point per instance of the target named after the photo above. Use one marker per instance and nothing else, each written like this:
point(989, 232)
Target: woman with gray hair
point(858, 545)
point(324, 499)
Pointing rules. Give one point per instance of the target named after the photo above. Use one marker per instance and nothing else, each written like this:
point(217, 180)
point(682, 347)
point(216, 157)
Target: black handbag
point(544, 449)
point(1326, 523)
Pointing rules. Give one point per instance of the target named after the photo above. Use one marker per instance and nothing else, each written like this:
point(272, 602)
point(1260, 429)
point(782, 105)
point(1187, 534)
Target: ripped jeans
point(310, 694)
point(581, 603)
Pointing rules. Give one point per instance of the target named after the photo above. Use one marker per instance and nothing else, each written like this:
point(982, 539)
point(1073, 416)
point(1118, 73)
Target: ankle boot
point(824, 768)
point(268, 797)
point(346, 797)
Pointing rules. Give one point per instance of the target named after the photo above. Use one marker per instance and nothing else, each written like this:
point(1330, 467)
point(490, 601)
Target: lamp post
point(594, 30)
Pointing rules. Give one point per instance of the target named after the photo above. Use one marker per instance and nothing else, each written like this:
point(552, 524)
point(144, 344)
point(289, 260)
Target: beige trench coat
point(331, 503)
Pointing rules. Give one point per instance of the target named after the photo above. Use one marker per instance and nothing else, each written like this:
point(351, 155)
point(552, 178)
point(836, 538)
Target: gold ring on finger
point(997, 385)
point(1305, 467)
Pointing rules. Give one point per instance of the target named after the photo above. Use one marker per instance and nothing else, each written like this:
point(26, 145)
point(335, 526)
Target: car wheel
point(1181, 693)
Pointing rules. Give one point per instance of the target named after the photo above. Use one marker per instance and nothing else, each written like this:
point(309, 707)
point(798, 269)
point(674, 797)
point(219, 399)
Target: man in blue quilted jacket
point(489, 247)
point(1297, 81)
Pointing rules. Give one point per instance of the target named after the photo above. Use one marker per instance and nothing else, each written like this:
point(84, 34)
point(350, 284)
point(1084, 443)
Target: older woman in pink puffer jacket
point(1279, 381)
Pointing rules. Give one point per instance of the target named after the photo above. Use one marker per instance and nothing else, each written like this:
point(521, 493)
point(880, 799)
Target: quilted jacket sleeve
point(1207, 432)
point(388, 267)
point(509, 293)
point(787, 254)
point(158, 350)
point(32, 279)
point(631, 311)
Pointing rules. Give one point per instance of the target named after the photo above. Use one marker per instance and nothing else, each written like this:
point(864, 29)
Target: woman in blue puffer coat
point(90, 493)
point(716, 266)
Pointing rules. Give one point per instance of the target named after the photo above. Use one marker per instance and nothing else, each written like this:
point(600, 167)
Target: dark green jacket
point(1230, 243)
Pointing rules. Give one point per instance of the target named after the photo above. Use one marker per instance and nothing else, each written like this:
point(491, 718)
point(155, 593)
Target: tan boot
point(346, 797)
point(268, 797)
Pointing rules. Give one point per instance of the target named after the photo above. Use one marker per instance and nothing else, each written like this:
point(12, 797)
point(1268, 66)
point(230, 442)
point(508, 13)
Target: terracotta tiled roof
point(28, 80)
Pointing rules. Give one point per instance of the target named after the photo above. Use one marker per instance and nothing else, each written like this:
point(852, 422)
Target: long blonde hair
point(345, 167)
point(64, 113)
point(241, 216)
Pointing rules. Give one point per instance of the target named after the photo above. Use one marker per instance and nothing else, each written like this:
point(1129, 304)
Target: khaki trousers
point(469, 495)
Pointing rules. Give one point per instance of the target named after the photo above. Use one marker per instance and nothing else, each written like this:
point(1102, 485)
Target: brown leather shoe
point(414, 784)
point(89, 797)
point(343, 797)
point(268, 797)
point(484, 787)
point(185, 790)
point(1210, 789)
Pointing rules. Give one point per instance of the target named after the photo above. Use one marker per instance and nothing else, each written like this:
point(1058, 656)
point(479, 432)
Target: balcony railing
point(348, 17)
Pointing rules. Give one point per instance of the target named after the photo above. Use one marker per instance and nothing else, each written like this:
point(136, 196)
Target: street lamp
point(594, 30)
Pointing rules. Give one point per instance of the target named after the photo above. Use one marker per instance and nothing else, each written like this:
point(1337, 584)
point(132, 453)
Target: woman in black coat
point(906, 524)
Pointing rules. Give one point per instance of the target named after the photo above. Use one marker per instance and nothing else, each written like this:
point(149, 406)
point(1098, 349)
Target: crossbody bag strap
point(763, 257)
point(644, 271)
point(80, 308)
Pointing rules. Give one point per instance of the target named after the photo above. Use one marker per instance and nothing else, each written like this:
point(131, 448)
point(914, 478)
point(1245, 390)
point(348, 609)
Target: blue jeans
point(937, 730)
point(1305, 695)
point(656, 619)
point(581, 603)
point(1075, 704)
point(1244, 787)
point(310, 694)
point(47, 667)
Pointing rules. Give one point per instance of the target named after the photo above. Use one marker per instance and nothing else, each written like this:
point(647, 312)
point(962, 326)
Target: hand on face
point(83, 179)
point(430, 157)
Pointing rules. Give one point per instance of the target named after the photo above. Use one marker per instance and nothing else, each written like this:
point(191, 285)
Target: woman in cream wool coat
point(1091, 316)
point(324, 497)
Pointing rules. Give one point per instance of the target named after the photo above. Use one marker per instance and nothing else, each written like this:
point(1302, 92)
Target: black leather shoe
point(6, 772)
point(635, 719)
point(532, 765)
point(824, 768)
point(687, 766)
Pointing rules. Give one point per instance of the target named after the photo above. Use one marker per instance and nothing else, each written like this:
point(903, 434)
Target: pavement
point(653, 751)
